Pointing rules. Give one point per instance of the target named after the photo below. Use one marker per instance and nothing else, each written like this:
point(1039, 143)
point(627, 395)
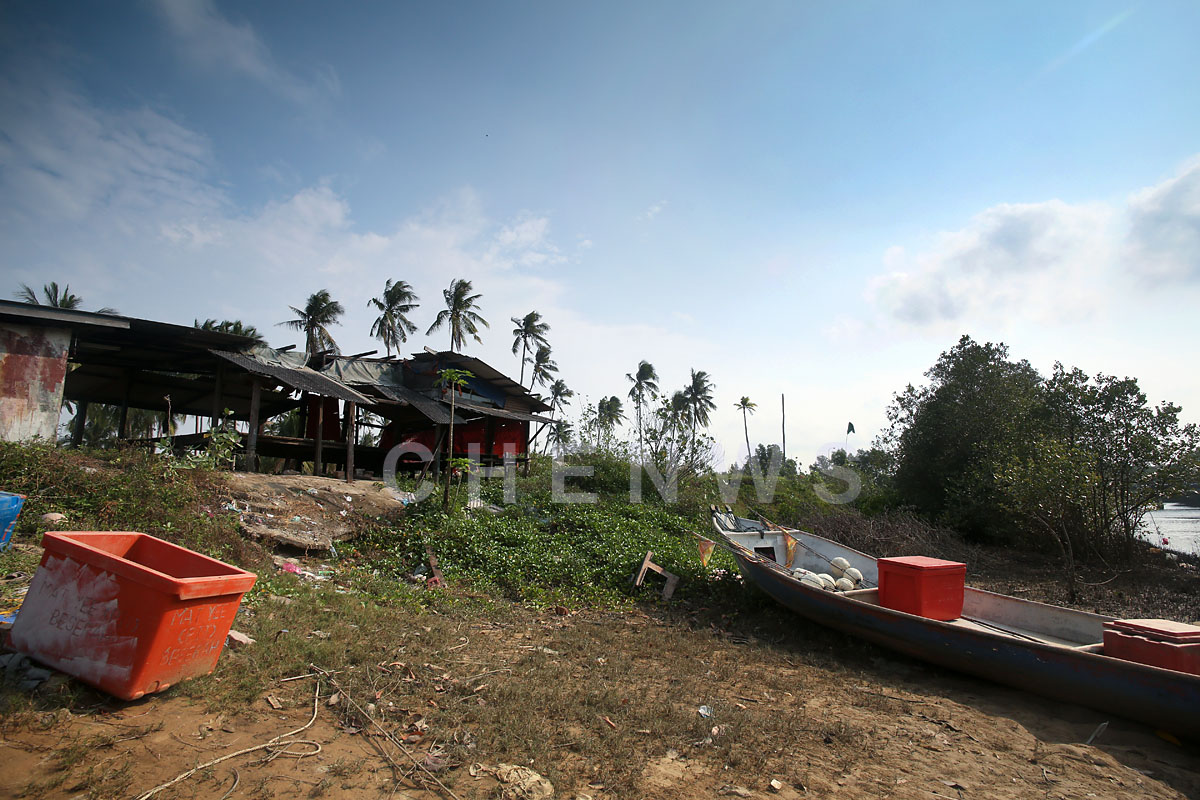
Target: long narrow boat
point(1049, 650)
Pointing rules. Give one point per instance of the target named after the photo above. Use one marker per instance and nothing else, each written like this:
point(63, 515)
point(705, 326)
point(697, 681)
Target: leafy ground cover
point(537, 653)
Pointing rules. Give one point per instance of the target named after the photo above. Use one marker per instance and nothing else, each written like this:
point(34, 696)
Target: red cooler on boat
point(928, 587)
point(1157, 642)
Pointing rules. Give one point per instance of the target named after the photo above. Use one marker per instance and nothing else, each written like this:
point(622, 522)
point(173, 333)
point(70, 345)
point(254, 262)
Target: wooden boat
point(1052, 651)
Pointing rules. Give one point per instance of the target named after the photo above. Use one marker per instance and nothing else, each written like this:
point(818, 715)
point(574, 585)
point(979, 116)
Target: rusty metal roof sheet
point(490, 411)
point(436, 411)
point(485, 372)
point(302, 378)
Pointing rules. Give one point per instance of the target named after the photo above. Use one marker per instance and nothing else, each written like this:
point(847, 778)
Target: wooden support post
point(81, 410)
point(123, 424)
point(320, 428)
point(351, 411)
point(437, 451)
point(252, 436)
point(218, 392)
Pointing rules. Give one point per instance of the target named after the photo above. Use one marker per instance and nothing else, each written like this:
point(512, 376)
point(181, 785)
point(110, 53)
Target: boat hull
point(1164, 699)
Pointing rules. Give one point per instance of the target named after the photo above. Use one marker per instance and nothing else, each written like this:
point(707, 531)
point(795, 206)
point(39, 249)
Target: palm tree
point(55, 298)
point(530, 331)
point(236, 327)
point(318, 314)
point(699, 399)
point(559, 435)
point(543, 367)
point(460, 314)
point(645, 381)
point(609, 414)
point(746, 407)
point(392, 327)
point(681, 411)
point(560, 394)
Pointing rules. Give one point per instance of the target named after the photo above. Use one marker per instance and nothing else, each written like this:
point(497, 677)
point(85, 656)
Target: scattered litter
point(319, 635)
point(776, 785)
point(53, 518)
point(274, 703)
point(734, 791)
point(522, 783)
point(705, 711)
point(312, 491)
point(548, 651)
point(237, 639)
point(292, 568)
point(609, 722)
point(1100, 729)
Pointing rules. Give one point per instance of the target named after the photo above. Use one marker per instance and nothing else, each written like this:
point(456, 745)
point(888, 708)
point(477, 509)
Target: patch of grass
point(123, 489)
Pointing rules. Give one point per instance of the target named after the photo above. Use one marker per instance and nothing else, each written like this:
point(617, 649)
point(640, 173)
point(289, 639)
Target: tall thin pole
point(783, 424)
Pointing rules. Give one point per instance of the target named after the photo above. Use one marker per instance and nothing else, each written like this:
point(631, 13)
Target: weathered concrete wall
point(33, 366)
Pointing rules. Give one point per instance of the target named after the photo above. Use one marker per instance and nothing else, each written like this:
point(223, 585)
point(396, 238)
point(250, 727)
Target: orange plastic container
point(927, 587)
point(1157, 642)
point(126, 612)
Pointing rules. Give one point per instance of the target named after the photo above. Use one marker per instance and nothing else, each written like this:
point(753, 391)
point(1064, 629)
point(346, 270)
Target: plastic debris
point(705, 711)
point(522, 783)
point(237, 639)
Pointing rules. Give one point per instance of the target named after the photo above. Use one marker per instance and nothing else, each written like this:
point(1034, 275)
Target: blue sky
point(810, 198)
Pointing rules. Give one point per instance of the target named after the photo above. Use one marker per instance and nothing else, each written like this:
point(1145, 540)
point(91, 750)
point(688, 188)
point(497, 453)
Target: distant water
point(1178, 524)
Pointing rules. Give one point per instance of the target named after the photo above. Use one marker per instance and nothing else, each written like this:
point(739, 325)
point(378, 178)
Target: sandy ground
point(600, 703)
point(866, 725)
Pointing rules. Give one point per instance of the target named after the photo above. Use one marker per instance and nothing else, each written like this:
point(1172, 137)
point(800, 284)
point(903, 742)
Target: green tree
point(609, 414)
point(560, 395)
point(460, 316)
point(529, 333)
point(320, 312)
point(453, 380)
point(543, 367)
point(645, 384)
point(1135, 454)
point(746, 407)
point(560, 435)
point(236, 327)
point(393, 326)
point(949, 436)
point(699, 397)
point(55, 298)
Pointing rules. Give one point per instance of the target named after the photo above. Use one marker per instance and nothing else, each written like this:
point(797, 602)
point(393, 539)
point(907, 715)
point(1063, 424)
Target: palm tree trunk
point(746, 427)
point(641, 453)
point(522, 381)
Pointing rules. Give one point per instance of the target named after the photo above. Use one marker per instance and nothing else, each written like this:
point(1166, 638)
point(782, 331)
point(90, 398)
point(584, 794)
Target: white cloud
point(653, 211)
point(214, 43)
point(1164, 228)
point(1048, 262)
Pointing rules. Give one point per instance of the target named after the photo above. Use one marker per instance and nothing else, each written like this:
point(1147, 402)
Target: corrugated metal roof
point(302, 378)
point(484, 371)
point(429, 407)
point(489, 411)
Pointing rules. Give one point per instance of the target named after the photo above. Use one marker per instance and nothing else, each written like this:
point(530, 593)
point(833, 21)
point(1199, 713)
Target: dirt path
point(607, 705)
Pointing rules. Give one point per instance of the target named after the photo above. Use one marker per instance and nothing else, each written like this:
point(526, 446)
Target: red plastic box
point(927, 587)
point(1157, 642)
point(126, 612)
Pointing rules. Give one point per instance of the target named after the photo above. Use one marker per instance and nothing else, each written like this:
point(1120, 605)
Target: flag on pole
point(791, 548)
point(706, 550)
point(849, 428)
